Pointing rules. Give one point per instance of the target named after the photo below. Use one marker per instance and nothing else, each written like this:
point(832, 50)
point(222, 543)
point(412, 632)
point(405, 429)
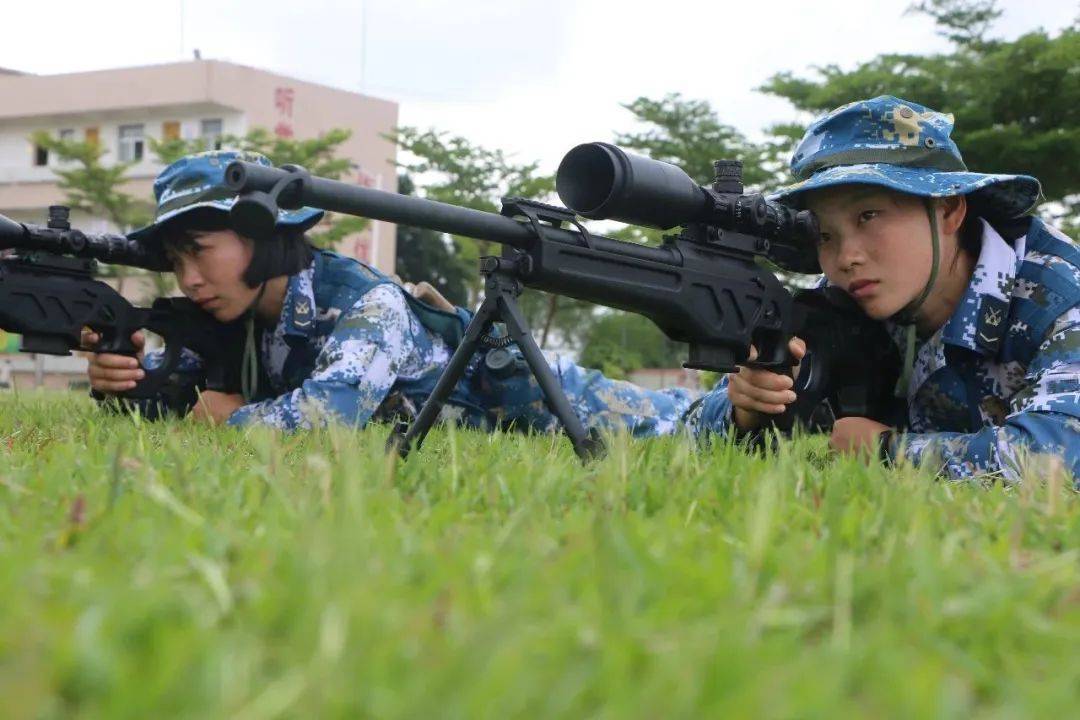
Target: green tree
point(690, 134)
point(1017, 103)
point(452, 169)
point(964, 22)
point(620, 342)
point(93, 187)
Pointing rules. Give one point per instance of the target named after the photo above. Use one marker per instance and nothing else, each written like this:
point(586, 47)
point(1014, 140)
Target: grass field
point(176, 570)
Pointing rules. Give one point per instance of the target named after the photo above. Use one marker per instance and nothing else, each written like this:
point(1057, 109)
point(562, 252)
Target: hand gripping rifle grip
point(158, 319)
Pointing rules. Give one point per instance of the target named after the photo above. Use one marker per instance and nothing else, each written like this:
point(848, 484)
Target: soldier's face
point(875, 244)
point(211, 273)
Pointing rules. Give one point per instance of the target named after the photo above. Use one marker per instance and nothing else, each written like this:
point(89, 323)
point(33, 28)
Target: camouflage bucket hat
point(198, 181)
point(903, 146)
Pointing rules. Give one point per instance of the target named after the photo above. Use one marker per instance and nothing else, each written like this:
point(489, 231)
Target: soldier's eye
point(867, 215)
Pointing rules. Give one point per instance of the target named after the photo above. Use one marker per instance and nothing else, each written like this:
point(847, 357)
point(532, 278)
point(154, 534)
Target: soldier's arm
point(1044, 418)
point(354, 371)
point(712, 413)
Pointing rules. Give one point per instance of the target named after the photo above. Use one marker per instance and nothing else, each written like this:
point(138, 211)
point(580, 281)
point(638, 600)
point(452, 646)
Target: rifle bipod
point(502, 289)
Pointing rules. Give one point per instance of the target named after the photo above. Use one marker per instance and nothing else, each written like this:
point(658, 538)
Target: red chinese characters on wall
point(365, 179)
point(283, 103)
point(361, 249)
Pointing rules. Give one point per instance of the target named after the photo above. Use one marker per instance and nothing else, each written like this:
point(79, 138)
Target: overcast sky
point(533, 77)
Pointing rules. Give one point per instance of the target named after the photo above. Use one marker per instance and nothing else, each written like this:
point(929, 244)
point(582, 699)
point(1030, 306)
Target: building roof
point(212, 82)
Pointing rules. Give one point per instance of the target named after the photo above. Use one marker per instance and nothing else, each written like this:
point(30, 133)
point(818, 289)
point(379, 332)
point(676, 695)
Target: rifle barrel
point(336, 196)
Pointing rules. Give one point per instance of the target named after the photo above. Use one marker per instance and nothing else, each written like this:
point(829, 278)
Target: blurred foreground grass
point(177, 570)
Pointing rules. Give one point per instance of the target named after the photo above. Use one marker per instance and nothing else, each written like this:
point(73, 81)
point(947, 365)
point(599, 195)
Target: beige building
point(122, 108)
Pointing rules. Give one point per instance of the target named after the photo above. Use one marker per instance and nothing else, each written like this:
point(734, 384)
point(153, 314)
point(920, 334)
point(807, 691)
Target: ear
point(951, 213)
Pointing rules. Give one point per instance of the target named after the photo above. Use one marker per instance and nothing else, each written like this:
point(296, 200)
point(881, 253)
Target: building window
point(41, 156)
point(93, 136)
point(66, 135)
point(210, 131)
point(131, 143)
point(170, 130)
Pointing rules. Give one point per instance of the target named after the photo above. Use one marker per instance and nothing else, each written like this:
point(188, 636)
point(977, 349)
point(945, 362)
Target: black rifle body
point(48, 294)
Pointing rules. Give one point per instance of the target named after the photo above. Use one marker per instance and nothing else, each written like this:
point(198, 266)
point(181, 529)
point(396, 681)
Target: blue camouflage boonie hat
point(198, 181)
point(903, 146)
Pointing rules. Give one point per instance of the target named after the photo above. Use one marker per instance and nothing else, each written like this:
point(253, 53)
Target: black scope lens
point(602, 182)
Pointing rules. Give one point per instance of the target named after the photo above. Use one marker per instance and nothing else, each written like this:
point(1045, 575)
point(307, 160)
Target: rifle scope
point(60, 239)
point(600, 181)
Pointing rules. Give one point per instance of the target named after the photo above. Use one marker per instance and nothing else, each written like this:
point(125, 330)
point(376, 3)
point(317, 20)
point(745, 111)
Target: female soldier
point(982, 300)
point(330, 339)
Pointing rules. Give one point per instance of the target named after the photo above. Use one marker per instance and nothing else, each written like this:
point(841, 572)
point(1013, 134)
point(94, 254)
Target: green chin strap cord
point(907, 315)
point(249, 367)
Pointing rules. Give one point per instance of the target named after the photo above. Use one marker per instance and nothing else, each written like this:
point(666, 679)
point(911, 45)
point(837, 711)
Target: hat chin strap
point(249, 367)
point(906, 316)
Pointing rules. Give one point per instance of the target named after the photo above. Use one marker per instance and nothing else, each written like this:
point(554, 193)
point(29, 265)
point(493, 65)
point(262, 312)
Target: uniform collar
point(298, 310)
point(979, 321)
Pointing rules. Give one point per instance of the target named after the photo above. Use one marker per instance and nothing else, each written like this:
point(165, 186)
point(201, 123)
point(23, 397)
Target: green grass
point(177, 570)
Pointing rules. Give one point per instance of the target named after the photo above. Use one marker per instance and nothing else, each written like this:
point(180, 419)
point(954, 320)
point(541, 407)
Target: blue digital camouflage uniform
point(352, 346)
point(1002, 376)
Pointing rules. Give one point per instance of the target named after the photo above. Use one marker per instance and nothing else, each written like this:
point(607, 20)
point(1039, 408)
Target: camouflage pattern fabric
point(903, 146)
point(198, 181)
point(1001, 378)
point(349, 349)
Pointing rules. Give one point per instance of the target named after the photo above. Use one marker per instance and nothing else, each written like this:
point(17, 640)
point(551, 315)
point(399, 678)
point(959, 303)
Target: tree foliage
point(453, 169)
point(1017, 103)
point(688, 133)
point(92, 186)
point(964, 22)
point(96, 188)
point(619, 342)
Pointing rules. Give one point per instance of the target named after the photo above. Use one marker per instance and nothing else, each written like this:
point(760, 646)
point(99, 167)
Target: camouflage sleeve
point(354, 371)
point(1044, 418)
point(712, 413)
